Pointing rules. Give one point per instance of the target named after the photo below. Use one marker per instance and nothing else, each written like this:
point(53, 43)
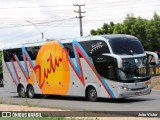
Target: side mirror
point(152, 58)
point(117, 57)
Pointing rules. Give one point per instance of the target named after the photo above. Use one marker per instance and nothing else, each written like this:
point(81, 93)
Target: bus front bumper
point(123, 93)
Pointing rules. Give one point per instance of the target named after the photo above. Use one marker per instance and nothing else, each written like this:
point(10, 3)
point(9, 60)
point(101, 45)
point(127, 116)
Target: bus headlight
point(124, 88)
point(148, 83)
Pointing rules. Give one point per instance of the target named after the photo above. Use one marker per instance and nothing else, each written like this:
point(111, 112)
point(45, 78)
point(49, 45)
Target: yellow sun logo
point(53, 75)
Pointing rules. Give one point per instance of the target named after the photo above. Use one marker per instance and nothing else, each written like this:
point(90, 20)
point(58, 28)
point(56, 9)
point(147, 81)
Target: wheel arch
point(28, 86)
point(92, 85)
point(20, 84)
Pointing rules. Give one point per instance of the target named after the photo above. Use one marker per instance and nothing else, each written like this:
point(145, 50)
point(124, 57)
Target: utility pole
point(80, 17)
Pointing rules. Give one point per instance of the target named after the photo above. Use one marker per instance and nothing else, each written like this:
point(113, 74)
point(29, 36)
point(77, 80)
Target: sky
point(23, 21)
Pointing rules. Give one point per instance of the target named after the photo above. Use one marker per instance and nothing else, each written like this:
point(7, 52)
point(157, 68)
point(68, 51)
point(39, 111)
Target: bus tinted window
point(99, 47)
point(95, 47)
point(9, 54)
point(69, 49)
point(33, 51)
point(18, 53)
point(86, 45)
point(126, 46)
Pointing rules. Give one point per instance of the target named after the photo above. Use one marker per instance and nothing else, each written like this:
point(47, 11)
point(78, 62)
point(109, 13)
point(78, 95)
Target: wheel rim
point(93, 93)
point(31, 92)
point(22, 91)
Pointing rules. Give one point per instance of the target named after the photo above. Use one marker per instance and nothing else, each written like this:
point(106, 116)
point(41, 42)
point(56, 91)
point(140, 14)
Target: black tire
point(92, 94)
point(21, 91)
point(30, 91)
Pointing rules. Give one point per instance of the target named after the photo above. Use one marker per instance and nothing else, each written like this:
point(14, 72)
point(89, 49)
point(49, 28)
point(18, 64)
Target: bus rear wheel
point(21, 91)
point(92, 94)
point(30, 91)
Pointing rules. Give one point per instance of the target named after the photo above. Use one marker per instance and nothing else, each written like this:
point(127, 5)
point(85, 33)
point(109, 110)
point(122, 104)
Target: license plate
point(137, 93)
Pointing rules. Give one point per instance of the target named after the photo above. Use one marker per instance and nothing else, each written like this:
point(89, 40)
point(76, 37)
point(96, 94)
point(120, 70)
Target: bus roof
point(96, 37)
point(113, 36)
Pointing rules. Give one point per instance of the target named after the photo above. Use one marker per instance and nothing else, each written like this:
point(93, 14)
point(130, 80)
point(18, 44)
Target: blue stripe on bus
point(74, 43)
point(107, 86)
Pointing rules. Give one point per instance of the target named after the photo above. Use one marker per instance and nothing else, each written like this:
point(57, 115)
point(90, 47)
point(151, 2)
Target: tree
point(105, 29)
point(154, 32)
point(147, 31)
point(93, 32)
point(118, 29)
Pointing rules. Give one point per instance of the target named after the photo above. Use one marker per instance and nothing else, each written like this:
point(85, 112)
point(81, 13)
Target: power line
point(91, 10)
point(121, 3)
point(40, 23)
point(35, 7)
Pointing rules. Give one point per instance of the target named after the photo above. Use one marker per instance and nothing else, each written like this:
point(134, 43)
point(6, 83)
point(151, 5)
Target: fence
point(155, 70)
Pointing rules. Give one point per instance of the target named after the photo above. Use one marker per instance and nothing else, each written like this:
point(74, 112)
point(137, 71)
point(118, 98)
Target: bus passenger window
point(99, 47)
point(33, 51)
point(69, 49)
point(18, 53)
point(86, 45)
point(7, 57)
point(9, 54)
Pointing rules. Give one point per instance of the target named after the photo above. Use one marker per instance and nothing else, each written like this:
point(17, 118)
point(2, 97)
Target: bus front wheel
point(21, 91)
point(92, 93)
point(30, 91)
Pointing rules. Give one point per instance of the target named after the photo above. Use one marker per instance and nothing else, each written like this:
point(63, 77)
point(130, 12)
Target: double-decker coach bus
point(108, 66)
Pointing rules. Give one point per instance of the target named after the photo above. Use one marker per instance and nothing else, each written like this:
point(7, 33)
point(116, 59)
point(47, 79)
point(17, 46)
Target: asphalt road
point(141, 103)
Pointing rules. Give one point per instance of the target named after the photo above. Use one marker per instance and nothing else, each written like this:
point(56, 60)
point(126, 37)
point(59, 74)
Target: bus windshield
point(134, 69)
point(126, 46)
